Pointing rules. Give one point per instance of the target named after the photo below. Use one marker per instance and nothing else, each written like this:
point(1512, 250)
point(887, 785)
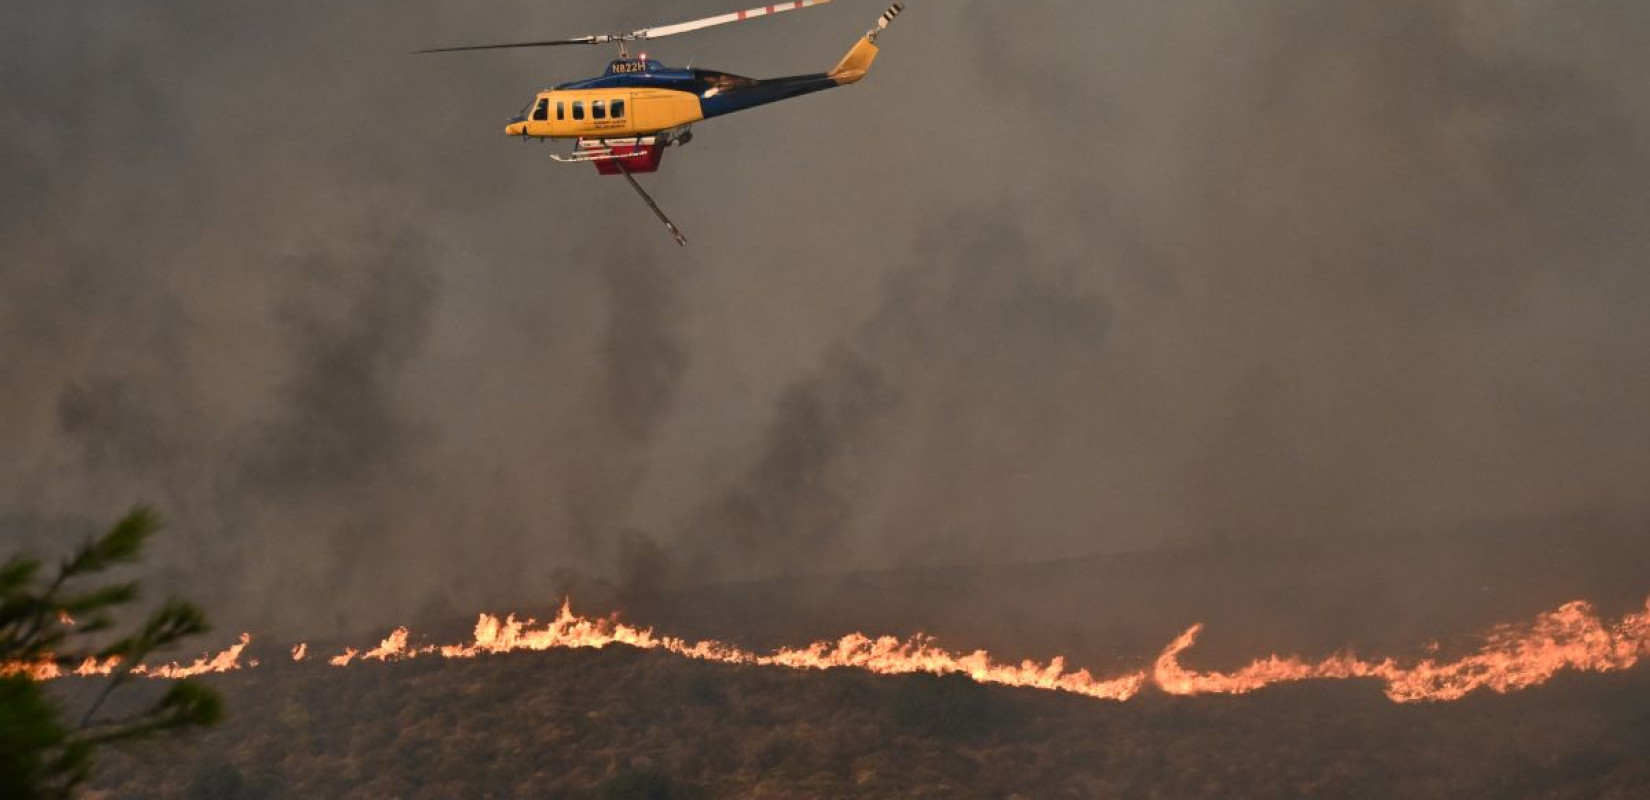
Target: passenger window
point(578, 109)
point(561, 111)
point(542, 111)
point(618, 109)
point(598, 109)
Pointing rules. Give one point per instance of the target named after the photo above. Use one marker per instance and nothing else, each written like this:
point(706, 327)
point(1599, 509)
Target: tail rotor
point(885, 20)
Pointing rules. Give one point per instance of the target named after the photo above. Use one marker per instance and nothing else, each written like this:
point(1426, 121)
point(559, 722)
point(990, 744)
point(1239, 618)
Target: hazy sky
point(1058, 278)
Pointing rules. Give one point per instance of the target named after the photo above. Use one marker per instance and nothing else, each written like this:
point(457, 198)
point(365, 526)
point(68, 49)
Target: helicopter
point(624, 120)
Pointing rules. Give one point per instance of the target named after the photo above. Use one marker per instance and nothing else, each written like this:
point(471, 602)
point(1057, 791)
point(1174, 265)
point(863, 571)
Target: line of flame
point(227, 660)
point(886, 655)
point(1511, 658)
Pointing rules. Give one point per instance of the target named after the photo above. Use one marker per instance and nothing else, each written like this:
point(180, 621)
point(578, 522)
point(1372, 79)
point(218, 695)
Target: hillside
point(621, 723)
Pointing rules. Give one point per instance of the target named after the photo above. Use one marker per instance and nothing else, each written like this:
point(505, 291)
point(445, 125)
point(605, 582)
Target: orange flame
point(1510, 658)
point(884, 656)
point(890, 656)
point(225, 661)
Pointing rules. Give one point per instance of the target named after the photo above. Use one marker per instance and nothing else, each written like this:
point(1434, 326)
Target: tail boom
point(851, 69)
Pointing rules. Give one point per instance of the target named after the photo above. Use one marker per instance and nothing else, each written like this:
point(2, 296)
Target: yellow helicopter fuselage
point(615, 113)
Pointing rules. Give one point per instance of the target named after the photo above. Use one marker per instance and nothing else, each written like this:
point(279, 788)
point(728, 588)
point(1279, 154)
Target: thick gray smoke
point(1058, 279)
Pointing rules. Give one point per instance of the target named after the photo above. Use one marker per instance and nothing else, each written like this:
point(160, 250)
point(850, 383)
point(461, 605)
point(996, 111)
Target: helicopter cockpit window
point(598, 109)
point(618, 109)
point(541, 112)
point(578, 109)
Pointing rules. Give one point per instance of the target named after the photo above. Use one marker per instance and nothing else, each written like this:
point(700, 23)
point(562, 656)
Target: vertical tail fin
point(857, 63)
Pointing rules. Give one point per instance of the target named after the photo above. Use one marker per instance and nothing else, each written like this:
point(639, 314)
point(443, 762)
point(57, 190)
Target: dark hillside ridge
point(621, 723)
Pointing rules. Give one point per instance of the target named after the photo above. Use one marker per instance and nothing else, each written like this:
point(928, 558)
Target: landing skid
point(646, 198)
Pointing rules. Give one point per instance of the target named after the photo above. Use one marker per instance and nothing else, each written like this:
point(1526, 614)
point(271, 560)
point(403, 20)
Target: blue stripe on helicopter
point(718, 103)
point(719, 93)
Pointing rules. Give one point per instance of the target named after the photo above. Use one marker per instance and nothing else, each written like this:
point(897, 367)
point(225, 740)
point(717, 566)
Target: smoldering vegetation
point(1060, 279)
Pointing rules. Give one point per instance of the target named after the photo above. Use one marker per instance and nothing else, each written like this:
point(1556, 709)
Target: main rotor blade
point(645, 33)
point(737, 16)
point(552, 43)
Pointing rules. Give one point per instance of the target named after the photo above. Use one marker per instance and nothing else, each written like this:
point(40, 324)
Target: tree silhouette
point(62, 620)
